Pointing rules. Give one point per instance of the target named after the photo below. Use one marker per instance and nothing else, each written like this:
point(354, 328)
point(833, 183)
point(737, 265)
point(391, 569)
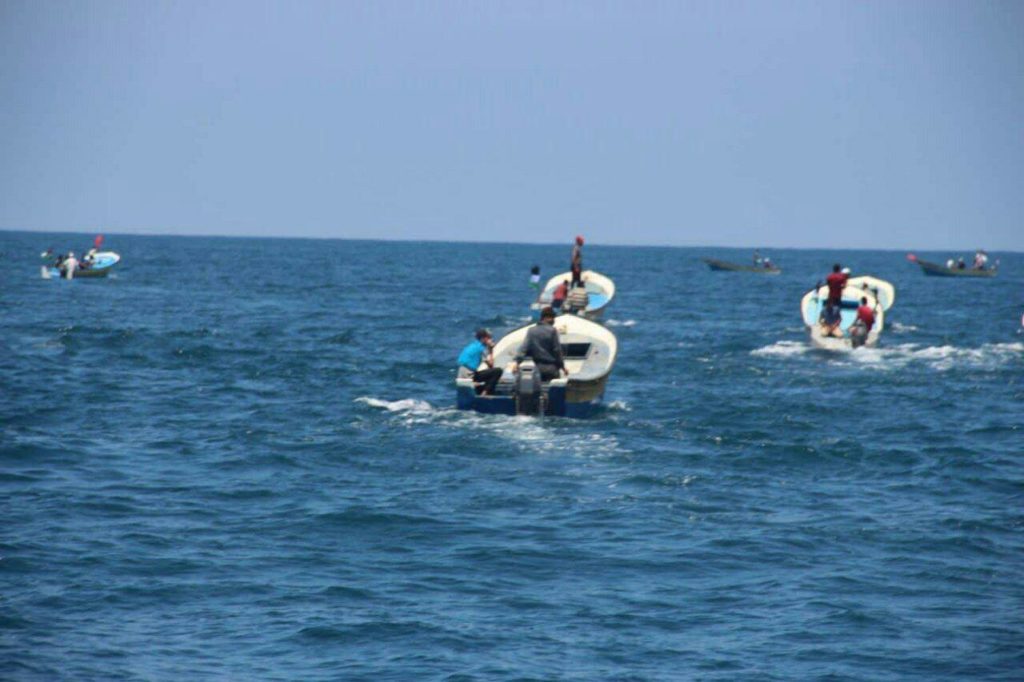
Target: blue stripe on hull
point(467, 399)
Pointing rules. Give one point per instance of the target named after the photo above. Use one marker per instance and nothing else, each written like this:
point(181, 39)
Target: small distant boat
point(880, 295)
point(600, 292)
point(589, 350)
point(101, 265)
point(723, 266)
point(940, 270)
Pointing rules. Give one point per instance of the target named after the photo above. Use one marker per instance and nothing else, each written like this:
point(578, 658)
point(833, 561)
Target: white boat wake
point(940, 358)
point(529, 432)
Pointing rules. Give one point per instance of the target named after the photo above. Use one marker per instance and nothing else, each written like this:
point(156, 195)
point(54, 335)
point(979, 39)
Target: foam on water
point(621, 323)
point(941, 358)
point(783, 349)
point(552, 434)
point(413, 405)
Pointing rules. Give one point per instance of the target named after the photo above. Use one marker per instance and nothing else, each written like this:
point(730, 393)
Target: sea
point(239, 459)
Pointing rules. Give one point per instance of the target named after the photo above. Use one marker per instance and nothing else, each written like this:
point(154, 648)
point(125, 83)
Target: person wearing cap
point(477, 352)
point(576, 265)
point(68, 267)
point(836, 283)
point(544, 347)
point(830, 319)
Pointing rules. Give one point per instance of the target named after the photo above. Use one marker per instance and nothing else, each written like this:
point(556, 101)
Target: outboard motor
point(858, 334)
point(528, 390)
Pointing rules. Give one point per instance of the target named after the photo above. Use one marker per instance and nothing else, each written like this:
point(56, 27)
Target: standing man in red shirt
point(836, 283)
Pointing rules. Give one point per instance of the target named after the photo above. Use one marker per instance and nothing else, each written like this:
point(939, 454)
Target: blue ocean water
point(239, 459)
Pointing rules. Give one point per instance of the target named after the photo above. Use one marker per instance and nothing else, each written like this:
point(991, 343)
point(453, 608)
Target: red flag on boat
point(99, 240)
point(912, 258)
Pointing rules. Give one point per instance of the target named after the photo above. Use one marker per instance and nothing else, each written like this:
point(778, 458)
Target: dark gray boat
point(725, 266)
point(939, 270)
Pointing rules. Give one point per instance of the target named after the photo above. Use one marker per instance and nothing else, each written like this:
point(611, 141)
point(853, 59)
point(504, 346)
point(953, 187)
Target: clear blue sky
point(821, 124)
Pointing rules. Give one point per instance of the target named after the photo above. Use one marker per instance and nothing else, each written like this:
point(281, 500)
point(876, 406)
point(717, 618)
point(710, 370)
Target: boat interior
point(588, 349)
point(599, 288)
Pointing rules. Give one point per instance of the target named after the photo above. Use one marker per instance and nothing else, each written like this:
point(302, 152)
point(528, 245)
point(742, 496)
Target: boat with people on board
point(958, 268)
point(761, 265)
point(94, 263)
point(855, 319)
point(510, 379)
point(590, 302)
point(69, 267)
point(766, 267)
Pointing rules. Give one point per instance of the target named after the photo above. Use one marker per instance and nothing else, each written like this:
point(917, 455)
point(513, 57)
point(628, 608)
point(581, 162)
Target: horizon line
point(510, 243)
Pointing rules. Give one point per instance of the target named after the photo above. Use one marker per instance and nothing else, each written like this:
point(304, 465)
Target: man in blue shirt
point(477, 352)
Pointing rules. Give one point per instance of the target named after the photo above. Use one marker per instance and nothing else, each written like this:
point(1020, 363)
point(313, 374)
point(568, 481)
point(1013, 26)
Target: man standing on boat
point(68, 266)
point(576, 266)
point(544, 347)
point(836, 283)
point(477, 352)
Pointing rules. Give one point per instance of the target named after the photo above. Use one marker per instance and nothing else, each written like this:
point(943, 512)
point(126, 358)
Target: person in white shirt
point(69, 266)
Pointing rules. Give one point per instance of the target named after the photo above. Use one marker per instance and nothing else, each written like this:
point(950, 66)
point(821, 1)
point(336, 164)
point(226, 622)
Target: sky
point(869, 124)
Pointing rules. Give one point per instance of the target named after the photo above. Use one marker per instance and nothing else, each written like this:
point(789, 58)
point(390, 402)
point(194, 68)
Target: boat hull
point(561, 401)
point(725, 266)
point(54, 273)
point(939, 270)
point(843, 344)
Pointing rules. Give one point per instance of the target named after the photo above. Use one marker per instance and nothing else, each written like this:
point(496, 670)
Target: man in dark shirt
point(544, 347)
point(576, 265)
point(836, 283)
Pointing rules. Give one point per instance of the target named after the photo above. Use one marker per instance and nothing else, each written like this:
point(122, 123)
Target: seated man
point(578, 300)
point(560, 294)
point(544, 347)
point(865, 318)
point(477, 352)
point(831, 316)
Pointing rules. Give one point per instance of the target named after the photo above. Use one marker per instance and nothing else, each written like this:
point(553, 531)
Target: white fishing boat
point(600, 292)
point(846, 335)
point(99, 266)
point(589, 352)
